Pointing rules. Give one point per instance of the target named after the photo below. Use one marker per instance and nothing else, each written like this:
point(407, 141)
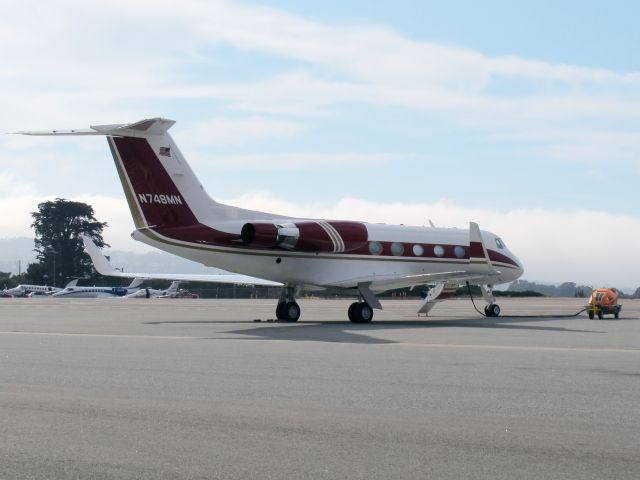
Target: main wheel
point(591, 315)
point(486, 310)
point(493, 310)
point(361, 313)
point(280, 311)
point(291, 312)
point(352, 309)
point(600, 314)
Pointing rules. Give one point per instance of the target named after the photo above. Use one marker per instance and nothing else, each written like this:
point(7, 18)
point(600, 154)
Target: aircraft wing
point(381, 284)
point(103, 267)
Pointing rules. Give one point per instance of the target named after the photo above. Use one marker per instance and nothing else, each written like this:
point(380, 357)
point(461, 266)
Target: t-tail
point(161, 189)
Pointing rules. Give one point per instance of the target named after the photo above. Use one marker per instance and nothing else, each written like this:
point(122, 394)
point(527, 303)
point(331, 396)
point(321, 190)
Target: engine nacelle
point(306, 236)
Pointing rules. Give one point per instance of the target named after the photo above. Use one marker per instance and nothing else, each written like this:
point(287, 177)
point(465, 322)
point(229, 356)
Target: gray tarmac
point(162, 389)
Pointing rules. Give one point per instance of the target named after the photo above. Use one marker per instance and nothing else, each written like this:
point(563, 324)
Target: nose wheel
point(492, 310)
point(360, 312)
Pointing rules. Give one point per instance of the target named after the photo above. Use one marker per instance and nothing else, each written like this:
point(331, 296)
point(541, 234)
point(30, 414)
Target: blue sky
point(524, 116)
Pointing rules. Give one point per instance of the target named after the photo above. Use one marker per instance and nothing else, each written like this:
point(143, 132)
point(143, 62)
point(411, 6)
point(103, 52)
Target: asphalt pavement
point(199, 389)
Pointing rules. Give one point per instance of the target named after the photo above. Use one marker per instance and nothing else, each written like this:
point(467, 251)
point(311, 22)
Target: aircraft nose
point(520, 269)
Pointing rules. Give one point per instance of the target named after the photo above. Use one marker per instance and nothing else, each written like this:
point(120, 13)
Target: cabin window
point(459, 251)
point(418, 251)
point(499, 244)
point(375, 248)
point(397, 249)
point(438, 250)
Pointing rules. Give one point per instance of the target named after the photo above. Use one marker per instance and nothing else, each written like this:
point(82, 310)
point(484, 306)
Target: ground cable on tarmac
point(523, 316)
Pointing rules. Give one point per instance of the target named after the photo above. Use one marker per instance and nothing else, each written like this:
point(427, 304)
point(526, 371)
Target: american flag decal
point(165, 151)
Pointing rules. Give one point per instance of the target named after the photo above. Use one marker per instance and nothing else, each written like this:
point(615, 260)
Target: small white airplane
point(25, 290)
point(74, 291)
point(172, 211)
point(155, 293)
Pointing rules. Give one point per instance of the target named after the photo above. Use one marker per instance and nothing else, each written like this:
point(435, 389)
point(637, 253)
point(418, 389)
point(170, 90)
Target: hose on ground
point(524, 316)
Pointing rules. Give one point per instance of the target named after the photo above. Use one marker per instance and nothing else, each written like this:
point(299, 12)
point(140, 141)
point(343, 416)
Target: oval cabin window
point(375, 248)
point(397, 249)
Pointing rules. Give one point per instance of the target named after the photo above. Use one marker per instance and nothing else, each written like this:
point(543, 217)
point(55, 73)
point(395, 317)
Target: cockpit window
point(500, 244)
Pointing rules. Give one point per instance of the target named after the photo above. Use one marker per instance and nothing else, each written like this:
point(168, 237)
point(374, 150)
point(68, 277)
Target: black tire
point(494, 310)
point(291, 312)
point(616, 314)
point(362, 313)
point(591, 315)
point(600, 314)
point(351, 311)
point(280, 311)
point(486, 311)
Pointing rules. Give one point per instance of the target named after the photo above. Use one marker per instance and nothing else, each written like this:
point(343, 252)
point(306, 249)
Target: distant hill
point(566, 289)
point(13, 250)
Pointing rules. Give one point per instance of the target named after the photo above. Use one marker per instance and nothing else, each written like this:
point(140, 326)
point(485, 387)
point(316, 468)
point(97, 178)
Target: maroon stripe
point(499, 257)
point(160, 200)
point(476, 250)
point(313, 238)
point(353, 234)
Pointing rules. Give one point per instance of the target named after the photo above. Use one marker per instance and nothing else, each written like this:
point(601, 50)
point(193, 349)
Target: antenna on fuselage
point(431, 224)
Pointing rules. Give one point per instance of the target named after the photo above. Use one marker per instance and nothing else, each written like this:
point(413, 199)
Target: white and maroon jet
point(172, 211)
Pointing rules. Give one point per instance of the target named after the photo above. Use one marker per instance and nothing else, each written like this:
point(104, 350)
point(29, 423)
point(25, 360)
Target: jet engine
point(306, 236)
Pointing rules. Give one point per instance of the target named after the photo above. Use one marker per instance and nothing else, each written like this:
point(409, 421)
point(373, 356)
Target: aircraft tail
point(160, 187)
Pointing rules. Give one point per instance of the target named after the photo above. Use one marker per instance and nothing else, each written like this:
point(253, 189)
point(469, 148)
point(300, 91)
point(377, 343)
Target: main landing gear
point(360, 312)
point(288, 309)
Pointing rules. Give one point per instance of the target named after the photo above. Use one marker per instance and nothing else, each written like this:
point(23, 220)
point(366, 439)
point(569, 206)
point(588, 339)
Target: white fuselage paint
point(329, 269)
point(95, 292)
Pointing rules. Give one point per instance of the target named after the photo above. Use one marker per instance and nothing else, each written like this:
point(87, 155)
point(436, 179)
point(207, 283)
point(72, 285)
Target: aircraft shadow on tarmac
point(347, 332)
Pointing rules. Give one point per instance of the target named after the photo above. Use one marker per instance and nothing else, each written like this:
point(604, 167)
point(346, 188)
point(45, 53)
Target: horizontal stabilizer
point(143, 128)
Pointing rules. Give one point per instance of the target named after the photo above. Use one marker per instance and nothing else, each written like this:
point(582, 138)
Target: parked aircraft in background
point(103, 267)
point(24, 290)
point(172, 211)
point(99, 292)
point(155, 293)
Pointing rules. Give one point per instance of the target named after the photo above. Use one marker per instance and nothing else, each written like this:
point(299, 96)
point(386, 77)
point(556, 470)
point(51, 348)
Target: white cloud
point(233, 131)
point(296, 161)
point(586, 246)
point(15, 220)
point(554, 245)
point(111, 58)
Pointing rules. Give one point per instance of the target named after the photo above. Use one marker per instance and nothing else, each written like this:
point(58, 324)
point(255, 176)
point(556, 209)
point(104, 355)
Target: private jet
point(25, 290)
point(74, 291)
point(172, 211)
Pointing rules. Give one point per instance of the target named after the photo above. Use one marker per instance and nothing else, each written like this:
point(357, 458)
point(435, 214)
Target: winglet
point(100, 262)
point(478, 255)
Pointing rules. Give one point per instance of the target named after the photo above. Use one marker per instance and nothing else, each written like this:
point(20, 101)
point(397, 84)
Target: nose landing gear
point(492, 310)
